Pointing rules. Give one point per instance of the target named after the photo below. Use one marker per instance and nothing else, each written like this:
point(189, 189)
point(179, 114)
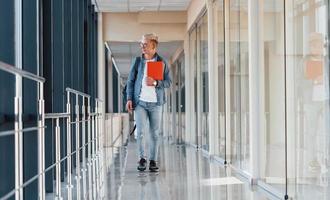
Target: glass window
point(239, 84)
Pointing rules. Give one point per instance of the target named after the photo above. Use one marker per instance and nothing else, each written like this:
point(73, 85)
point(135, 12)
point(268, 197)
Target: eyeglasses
point(143, 44)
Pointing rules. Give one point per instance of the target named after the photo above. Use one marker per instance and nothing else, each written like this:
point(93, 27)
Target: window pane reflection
point(309, 80)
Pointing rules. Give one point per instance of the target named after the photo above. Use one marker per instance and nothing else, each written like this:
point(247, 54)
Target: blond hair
point(151, 36)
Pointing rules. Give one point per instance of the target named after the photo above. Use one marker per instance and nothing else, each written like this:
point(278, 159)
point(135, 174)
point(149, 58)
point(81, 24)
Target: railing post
point(101, 158)
point(69, 170)
point(93, 157)
point(77, 148)
point(58, 159)
point(18, 151)
point(84, 149)
point(89, 148)
point(18, 102)
point(96, 147)
point(41, 144)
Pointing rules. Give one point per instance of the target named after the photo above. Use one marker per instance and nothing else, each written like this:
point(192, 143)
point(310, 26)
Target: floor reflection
point(184, 174)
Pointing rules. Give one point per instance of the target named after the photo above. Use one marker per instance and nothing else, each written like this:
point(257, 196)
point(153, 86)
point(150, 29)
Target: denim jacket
point(135, 77)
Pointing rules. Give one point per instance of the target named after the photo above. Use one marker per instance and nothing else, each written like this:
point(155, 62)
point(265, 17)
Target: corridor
point(242, 103)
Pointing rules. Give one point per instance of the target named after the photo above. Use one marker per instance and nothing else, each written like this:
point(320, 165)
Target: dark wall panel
point(81, 45)
point(30, 90)
point(115, 79)
point(106, 62)
point(7, 32)
point(58, 55)
point(67, 67)
point(85, 49)
point(75, 47)
point(7, 94)
point(47, 64)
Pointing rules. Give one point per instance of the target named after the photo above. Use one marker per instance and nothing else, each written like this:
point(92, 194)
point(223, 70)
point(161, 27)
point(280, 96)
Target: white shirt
point(148, 93)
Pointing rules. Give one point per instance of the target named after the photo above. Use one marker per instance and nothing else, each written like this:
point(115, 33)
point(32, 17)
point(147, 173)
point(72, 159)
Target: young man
point(146, 96)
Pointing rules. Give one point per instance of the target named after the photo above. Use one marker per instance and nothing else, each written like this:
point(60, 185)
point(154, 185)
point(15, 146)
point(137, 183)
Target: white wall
point(194, 10)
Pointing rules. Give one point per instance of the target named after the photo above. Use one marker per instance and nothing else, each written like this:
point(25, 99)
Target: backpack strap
point(135, 70)
point(136, 65)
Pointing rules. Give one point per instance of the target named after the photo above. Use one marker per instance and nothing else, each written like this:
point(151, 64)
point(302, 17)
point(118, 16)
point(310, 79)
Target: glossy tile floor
point(184, 174)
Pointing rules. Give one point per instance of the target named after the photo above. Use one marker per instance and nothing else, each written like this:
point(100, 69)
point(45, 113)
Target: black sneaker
point(153, 166)
point(142, 164)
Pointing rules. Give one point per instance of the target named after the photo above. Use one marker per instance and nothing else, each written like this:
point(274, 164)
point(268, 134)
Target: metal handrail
point(99, 100)
point(92, 164)
point(18, 133)
point(93, 143)
point(77, 122)
point(14, 70)
point(12, 132)
point(28, 182)
point(56, 115)
point(77, 92)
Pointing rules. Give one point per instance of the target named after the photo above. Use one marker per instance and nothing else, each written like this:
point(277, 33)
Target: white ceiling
point(125, 52)
point(141, 5)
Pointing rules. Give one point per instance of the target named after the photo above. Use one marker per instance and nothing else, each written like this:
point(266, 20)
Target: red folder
point(155, 70)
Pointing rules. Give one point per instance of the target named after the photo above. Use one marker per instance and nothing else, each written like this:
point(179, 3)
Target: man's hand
point(150, 81)
point(129, 106)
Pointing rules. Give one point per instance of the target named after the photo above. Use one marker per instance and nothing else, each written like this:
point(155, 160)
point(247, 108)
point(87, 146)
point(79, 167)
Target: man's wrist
point(155, 83)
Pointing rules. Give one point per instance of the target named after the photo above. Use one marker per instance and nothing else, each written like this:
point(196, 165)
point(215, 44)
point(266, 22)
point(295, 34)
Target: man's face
point(147, 47)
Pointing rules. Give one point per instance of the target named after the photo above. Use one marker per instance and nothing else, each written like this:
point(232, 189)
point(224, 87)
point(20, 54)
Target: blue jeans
point(144, 113)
